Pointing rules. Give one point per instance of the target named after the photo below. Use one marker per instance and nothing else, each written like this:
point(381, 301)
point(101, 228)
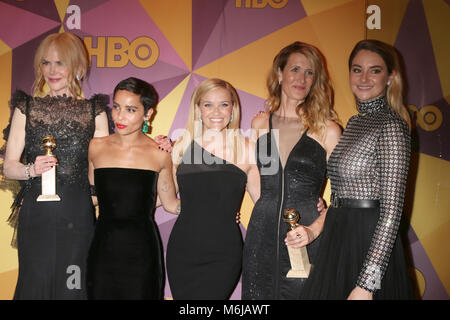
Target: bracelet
point(27, 171)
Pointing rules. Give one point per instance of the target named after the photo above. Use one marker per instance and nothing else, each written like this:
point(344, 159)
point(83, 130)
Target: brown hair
point(391, 58)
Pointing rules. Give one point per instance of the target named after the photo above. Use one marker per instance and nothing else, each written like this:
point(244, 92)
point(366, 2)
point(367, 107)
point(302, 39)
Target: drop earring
point(145, 127)
point(78, 77)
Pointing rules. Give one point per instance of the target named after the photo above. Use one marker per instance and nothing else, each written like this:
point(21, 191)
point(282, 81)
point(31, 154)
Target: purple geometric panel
point(179, 122)
point(19, 26)
point(128, 19)
point(43, 8)
point(250, 106)
point(417, 52)
point(105, 79)
point(424, 87)
point(422, 263)
point(23, 63)
point(86, 5)
point(437, 143)
point(237, 27)
point(205, 14)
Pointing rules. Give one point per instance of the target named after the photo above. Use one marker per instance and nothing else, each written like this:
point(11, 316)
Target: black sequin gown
point(125, 259)
point(361, 246)
point(204, 253)
point(54, 237)
point(296, 186)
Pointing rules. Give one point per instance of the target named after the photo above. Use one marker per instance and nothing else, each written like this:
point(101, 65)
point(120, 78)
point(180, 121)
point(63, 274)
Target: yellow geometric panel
point(61, 6)
point(8, 281)
point(431, 201)
point(314, 6)
point(174, 19)
point(4, 48)
point(438, 20)
point(167, 109)
point(8, 259)
point(391, 13)
point(438, 251)
point(5, 88)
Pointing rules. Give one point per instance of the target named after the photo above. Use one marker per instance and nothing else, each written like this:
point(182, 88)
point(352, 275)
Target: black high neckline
point(374, 105)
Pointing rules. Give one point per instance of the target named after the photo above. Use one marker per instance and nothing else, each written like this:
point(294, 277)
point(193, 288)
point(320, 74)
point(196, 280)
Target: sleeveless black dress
point(53, 237)
point(296, 186)
point(125, 259)
point(204, 253)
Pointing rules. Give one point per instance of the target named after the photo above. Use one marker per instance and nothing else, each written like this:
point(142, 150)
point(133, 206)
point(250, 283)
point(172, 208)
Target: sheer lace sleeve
point(100, 103)
point(18, 100)
point(393, 159)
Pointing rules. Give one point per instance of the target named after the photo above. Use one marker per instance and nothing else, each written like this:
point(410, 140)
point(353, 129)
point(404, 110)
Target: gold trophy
point(48, 177)
point(300, 266)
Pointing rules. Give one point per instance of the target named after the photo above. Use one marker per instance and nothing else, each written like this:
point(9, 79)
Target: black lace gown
point(297, 186)
point(361, 246)
point(125, 259)
point(54, 237)
point(204, 253)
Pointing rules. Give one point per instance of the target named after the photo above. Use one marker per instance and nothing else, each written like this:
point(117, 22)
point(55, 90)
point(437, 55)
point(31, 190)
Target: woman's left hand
point(360, 294)
point(299, 237)
point(164, 143)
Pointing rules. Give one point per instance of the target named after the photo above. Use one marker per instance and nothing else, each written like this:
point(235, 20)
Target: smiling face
point(369, 76)
point(296, 78)
point(215, 109)
point(128, 112)
point(55, 72)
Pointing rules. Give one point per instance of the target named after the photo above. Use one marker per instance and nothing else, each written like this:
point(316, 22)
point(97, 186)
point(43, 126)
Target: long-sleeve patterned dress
point(360, 245)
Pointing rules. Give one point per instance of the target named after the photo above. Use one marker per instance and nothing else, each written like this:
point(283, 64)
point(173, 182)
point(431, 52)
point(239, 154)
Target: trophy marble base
point(48, 197)
point(300, 266)
point(49, 186)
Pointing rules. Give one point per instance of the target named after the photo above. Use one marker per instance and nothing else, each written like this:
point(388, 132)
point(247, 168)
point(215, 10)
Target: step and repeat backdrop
point(175, 44)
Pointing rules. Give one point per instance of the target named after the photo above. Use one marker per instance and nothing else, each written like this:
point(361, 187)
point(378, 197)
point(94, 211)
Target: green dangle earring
point(145, 127)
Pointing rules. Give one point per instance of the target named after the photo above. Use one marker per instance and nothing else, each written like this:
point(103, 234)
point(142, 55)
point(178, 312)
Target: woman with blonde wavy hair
point(296, 137)
point(213, 168)
point(53, 237)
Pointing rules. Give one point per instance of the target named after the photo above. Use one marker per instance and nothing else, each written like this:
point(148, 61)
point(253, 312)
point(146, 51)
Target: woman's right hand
point(43, 164)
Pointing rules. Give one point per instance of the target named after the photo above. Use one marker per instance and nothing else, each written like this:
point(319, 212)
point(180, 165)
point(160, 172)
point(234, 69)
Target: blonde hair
point(317, 107)
point(390, 56)
point(72, 52)
point(193, 128)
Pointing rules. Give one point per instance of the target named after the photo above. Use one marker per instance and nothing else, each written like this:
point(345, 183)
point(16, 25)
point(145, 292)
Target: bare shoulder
point(164, 158)
point(334, 130)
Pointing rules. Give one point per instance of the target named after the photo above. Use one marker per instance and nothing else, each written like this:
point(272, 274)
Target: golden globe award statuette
point(300, 266)
point(48, 177)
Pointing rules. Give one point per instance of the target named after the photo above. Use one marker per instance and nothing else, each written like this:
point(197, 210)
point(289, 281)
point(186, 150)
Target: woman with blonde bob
point(53, 237)
point(299, 132)
point(213, 167)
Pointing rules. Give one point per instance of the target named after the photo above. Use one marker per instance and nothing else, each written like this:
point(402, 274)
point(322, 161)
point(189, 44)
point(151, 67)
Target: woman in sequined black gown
point(127, 169)
point(53, 237)
point(360, 255)
point(292, 168)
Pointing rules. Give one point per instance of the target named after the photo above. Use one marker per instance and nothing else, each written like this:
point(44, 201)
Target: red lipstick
point(120, 126)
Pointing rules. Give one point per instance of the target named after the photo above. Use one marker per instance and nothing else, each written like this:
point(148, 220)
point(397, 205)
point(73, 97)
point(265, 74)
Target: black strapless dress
point(296, 186)
point(125, 259)
point(204, 253)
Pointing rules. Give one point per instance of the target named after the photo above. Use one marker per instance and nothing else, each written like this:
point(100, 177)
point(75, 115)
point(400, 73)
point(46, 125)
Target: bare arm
point(166, 187)
point(101, 125)
point(91, 169)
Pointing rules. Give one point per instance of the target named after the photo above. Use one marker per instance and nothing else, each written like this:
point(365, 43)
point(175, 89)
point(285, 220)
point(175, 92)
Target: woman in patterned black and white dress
point(360, 255)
